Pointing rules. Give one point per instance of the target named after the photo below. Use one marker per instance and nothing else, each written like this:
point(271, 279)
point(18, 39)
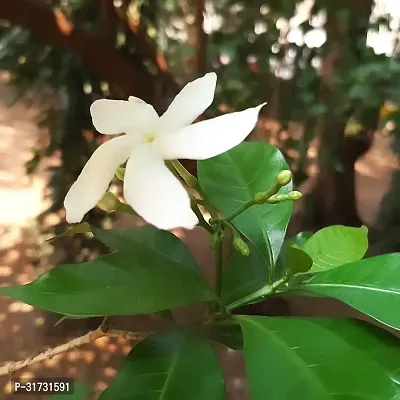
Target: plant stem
point(202, 222)
point(169, 165)
point(241, 209)
point(193, 183)
point(190, 180)
point(259, 294)
point(218, 267)
point(260, 198)
point(216, 307)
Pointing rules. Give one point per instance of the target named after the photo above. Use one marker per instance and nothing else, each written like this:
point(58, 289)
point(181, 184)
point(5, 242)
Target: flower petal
point(155, 193)
point(209, 138)
point(96, 176)
point(191, 102)
point(120, 116)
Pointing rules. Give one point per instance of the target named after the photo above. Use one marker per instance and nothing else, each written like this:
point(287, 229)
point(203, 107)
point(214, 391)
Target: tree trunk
point(201, 38)
point(334, 200)
point(334, 190)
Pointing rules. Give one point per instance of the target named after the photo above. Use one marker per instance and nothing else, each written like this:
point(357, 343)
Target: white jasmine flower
point(148, 140)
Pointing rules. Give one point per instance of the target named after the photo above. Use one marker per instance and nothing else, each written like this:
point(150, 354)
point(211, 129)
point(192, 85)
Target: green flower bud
point(295, 195)
point(276, 198)
point(108, 202)
point(120, 173)
point(291, 196)
point(240, 245)
point(284, 177)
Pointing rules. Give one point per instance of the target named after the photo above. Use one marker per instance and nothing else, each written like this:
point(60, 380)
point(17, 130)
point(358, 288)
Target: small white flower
point(149, 187)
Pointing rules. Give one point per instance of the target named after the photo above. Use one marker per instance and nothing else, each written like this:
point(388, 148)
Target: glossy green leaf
point(371, 286)
point(292, 258)
point(318, 359)
point(234, 178)
point(281, 262)
point(148, 238)
point(170, 365)
point(300, 239)
point(297, 261)
point(378, 344)
point(243, 275)
point(336, 245)
point(123, 283)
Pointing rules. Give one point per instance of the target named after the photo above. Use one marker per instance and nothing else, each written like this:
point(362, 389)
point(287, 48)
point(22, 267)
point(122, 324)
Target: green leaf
point(307, 359)
point(297, 261)
point(300, 239)
point(292, 259)
point(243, 275)
point(148, 238)
point(378, 344)
point(371, 286)
point(125, 283)
point(169, 365)
point(234, 178)
point(336, 245)
point(81, 392)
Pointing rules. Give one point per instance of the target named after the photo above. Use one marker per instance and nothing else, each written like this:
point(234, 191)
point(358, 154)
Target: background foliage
point(325, 83)
point(330, 84)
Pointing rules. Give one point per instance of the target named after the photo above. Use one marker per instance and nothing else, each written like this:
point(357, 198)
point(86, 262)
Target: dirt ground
point(24, 331)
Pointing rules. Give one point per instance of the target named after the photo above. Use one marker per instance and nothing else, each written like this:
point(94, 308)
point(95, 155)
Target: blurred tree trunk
point(108, 20)
point(334, 189)
point(201, 38)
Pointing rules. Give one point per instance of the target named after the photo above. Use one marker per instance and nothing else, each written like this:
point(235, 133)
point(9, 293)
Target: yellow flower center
point(149, 137)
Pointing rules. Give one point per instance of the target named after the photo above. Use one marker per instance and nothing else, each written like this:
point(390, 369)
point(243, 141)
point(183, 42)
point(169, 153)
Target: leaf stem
point(259, 294)
point(193, 183)
point(190, 180)
point(241, 209)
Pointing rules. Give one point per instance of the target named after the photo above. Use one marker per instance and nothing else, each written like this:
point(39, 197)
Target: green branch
point(258, 295)
point(282, 179)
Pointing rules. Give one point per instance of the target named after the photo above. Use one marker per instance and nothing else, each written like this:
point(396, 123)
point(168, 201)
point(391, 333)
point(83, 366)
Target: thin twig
point(72, 344)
